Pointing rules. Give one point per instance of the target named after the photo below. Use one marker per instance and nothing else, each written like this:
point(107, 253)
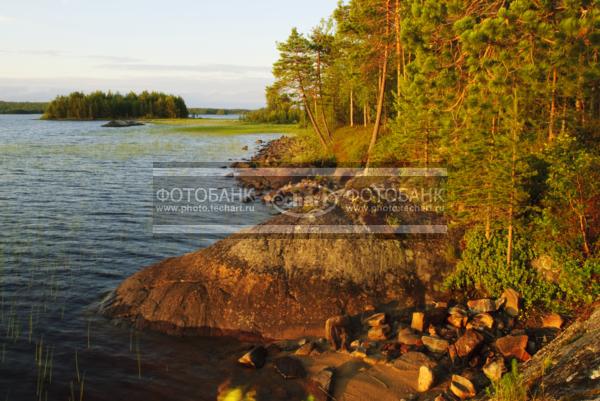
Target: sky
point(213, 53)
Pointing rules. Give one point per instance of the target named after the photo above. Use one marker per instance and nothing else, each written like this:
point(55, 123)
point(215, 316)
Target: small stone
point(482, 305)
point(552, 321)
point(379, 333)
point(376, 320)
point(462, 387)
point(510, 299)
point(245, 148)
point(435, 344)
point(481, 321)
point(425, 380)
point(255, 358)
point(337, 331)
point(418, 321)
point(360, 352)
point(458, 317)
point(514, 346)
point(305, 349)
point(417, 361)
point(408, 337)
point(457, 321)
point(467, 343)
point(289, 367)
point(494, 369)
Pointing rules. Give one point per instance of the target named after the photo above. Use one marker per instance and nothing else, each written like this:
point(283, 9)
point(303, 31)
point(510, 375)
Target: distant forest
point(100, 105)
point(22, 107)
point(217, 112)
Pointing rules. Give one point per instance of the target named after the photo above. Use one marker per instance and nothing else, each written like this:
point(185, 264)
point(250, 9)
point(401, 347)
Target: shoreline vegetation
point(22, 107)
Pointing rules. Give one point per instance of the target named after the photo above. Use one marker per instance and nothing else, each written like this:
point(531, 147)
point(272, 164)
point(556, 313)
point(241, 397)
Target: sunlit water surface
point(75, 220)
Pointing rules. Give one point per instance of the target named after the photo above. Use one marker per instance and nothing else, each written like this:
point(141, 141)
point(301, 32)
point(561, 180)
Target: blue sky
point(213, 53)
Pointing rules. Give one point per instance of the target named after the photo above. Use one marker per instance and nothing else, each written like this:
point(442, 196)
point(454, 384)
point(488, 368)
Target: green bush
point(483, 270)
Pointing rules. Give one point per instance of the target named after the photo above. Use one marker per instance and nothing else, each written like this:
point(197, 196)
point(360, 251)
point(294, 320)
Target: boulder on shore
point(278, 287)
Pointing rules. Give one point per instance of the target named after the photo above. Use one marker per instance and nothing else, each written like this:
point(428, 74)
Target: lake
point(76, 219)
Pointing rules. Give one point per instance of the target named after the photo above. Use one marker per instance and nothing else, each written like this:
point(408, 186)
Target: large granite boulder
point(279, 287)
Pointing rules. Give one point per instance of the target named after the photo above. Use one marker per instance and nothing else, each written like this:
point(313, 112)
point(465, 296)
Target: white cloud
point(4, 18)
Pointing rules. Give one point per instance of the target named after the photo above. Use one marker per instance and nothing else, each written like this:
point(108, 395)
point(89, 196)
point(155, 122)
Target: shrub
point(483, 268)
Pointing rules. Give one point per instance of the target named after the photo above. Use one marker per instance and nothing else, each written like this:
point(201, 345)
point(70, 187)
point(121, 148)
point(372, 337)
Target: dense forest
point(217, 112)
point(22, 107)
point(100, 105)
point(506, 94)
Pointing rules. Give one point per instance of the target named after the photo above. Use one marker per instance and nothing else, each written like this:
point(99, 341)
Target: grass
point(226, 127)
point(510, 387)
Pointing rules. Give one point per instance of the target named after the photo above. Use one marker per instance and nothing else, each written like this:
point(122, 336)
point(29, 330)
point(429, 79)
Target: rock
point(458, 317)
point(482, 305)
point(121, 124)
point(457, 321)
point(379, 333)
point(468, 343)
point(259, 141)
point(462, 387)
point(289, 367)
point(514, 346)
point(435, 344)
point(569, 366)
point(421, 363)
point(425, 380)
point(337, 331)
point(418, 321)
point(481, 321)
point(305, 349)
point(552, 321)
point(323, 382)
point(245, 148)
point(510, 299)
point(408, 337)
point(378, 319)
point(255, 358)
point(494, 369)
point(259, 287)
point(360, 352)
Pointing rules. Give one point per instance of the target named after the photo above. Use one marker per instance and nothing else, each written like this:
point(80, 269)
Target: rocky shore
point(441, 353)
point(352, 318)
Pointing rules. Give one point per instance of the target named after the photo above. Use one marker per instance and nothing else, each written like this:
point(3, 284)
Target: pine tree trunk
point(398, 46)
point(513, 181)
point(381, 96)
point(311, 116)
point(351, 108)
point(552, 108)
point(320, 96)
point(365, 117)
point(583, 229)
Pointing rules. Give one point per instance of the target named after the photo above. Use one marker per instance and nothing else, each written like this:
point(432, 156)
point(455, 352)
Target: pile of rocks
point(463, 347)
point(449, 351)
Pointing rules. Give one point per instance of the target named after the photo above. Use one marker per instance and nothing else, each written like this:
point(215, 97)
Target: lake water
point(76, 219)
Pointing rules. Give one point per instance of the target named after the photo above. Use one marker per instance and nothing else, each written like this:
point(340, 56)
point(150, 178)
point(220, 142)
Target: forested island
point(101, 105)
point(22, 107)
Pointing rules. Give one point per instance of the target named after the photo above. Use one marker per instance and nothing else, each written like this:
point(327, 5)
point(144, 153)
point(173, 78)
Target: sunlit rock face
point(279, 287)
